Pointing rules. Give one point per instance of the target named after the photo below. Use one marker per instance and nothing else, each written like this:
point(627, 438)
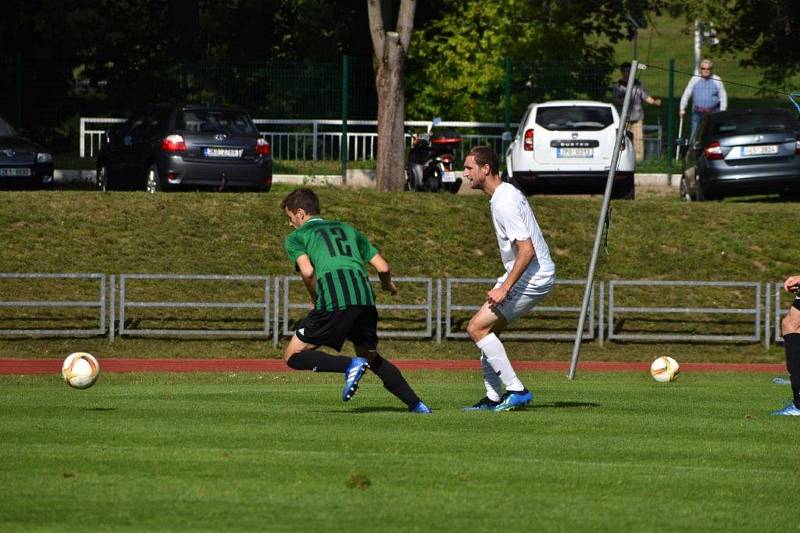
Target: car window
point(5, 129)
point(161, 119)
point(574, 118)
point(215, 120)
point(754, 123)
point(136, 124)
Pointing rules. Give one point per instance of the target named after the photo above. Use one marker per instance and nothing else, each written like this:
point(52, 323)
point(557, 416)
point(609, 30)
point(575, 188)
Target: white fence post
point(314, 140)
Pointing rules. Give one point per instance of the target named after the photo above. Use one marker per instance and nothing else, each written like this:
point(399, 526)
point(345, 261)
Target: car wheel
point(153, 180)
point(409, 185)
point(686, 195)
point(624, 191)
point(102, 179)
point(700, 195)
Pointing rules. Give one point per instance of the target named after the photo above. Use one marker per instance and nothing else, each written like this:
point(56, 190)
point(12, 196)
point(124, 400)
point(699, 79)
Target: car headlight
point(44, 157)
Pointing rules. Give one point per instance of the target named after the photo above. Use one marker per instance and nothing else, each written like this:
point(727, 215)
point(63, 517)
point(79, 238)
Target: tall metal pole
point(623, 123)
point(507, 94)
point(698, 42)
point(506, 103)
point(670, 115)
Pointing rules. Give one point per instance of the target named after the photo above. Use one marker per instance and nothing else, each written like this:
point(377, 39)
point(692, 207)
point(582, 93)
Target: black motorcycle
point(431, 161)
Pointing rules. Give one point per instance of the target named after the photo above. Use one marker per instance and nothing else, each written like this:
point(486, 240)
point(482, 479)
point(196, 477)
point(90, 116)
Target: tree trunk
point(391, 51)
point(390, 168)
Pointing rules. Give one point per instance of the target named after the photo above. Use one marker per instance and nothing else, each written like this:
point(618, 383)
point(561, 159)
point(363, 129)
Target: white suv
point(566, 147)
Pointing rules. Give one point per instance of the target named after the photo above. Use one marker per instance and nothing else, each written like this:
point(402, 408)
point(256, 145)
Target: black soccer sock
point(318, 361)
point(393, 380)
point(791, 344)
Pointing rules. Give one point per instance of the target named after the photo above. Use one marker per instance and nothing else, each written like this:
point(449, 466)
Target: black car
point(172, 147)
point(23, 163)
point(738, 153)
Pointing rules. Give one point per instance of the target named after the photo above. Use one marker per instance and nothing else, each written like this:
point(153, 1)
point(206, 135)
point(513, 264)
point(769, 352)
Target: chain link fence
point(47, 98)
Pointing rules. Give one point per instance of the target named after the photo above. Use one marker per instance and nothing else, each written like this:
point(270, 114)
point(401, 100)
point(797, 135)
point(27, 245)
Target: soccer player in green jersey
point(331, 257)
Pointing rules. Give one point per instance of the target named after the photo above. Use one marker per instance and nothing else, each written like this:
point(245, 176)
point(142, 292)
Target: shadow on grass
point(563, 405)
point(376, 409)
point(101, 409)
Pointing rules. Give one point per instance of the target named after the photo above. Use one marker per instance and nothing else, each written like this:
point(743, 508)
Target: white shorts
point(522, 298)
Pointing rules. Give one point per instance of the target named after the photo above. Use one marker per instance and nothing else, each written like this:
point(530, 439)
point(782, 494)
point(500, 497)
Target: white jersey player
point(529, 276)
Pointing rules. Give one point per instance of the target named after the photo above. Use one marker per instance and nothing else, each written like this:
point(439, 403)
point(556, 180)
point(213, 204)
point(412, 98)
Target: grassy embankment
point(437, 236)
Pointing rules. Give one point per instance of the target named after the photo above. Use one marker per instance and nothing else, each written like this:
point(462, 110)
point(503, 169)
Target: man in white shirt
point(707, 93)
point(529, 277)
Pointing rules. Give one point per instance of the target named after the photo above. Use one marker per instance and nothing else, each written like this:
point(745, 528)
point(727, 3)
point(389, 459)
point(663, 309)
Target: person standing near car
point(636, 115)
point(529, 277)
point(331, 257)
point(707, 93)
point(790, 329)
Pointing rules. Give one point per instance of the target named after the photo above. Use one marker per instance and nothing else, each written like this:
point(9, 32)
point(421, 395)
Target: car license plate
point(449, 177)
point(15, 172)
point(222, 152)
point(574, 152)
point(764, 149)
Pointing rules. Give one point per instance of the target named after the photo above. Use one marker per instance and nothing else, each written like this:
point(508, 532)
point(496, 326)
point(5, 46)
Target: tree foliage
point(556, 50)
point(766, 29)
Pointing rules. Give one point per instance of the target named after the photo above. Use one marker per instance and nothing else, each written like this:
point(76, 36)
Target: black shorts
point(796, 303)
point(358, 324)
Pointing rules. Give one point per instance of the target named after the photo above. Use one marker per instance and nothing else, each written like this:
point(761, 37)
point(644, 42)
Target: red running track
point(53, 366)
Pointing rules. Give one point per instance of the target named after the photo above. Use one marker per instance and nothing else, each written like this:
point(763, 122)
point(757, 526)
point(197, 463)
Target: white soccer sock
point(493, 384)
point(495, 354)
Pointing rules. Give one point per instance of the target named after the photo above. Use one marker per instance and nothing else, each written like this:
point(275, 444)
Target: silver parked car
point(747, 152)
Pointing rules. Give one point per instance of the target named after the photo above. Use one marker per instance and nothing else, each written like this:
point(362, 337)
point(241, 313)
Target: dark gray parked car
point(737, 153)
point(23, 163)
point(171, 147)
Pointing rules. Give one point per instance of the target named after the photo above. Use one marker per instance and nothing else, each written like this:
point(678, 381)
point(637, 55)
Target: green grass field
point(281, 452)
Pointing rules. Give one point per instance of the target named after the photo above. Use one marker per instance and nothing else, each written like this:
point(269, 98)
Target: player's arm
point(307, 273)
point(384, 273)
point(525, 254)
point(792, 284)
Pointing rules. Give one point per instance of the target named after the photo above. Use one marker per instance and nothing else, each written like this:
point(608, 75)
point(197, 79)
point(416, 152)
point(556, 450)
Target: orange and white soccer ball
point(80, 370)
point(665, 369)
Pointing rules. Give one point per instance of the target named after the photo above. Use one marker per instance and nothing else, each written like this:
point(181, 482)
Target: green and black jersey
point(339, 253)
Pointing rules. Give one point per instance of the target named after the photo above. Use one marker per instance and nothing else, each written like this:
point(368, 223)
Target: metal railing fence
point(53, 303)
point(125, 328)
point(301, 139)
point(431, 308)
point(450, 307)
point(614, 310)
point(426, 308)
point(312, 140)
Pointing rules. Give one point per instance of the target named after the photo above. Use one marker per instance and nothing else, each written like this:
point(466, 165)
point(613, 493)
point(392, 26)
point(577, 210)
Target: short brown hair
point(302, 198)
point(484, 155)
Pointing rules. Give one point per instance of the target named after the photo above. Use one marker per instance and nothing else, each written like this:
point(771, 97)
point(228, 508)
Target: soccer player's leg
point(494, 388)
point(365, 339)
point(483, 329)
point(325, 328)
point(393, 380)
point(790, 328)
point(491, 320)
point(301, 355)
